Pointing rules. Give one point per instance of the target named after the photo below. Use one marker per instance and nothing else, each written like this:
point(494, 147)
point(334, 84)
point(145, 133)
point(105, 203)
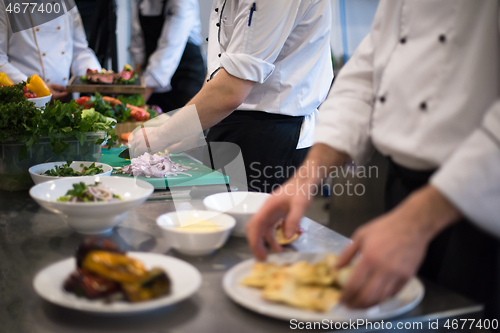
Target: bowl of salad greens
point(91, 205)
point(51, 171)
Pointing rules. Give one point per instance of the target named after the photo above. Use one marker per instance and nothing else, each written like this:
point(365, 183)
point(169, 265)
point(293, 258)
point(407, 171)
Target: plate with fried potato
point(307, 287)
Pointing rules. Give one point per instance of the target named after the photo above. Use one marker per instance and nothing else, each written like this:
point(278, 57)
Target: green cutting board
point(201, 175)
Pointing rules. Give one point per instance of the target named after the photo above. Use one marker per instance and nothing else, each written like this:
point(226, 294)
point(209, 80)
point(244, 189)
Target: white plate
point(407, 299)
point(185, 279)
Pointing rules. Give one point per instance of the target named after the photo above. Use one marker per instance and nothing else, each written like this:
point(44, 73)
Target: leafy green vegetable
point(17, 114)
point(66, 170)
point(63, 121)
point(120, 112)
point(133, 99)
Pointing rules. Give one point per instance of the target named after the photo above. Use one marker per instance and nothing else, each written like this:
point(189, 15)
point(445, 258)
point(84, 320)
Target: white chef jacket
point(283, 46)
point(423, 88)
point(51, 50)
point(182, 24)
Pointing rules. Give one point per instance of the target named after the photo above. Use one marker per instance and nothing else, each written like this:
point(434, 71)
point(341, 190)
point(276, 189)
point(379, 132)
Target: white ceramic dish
point(38, 177)
point(240, 205)
point(40, 101)
point(199, 242)
point(185, 278)
point(408, 298)
point(92, 217)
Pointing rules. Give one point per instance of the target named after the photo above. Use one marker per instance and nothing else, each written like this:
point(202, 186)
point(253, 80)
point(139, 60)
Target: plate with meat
point(103, 279)
point(307, 287)
point(127, 81)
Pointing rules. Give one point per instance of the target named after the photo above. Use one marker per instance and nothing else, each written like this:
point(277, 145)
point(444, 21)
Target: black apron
point(462, 258)
point(267, 143)
point(190, 74)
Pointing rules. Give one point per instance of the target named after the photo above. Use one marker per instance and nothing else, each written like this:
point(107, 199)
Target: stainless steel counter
point(31, 238)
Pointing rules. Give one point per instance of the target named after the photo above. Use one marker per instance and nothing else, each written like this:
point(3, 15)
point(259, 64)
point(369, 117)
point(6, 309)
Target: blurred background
point(351, 22)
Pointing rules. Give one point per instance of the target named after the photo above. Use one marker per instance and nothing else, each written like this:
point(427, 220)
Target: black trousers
point(462, 258)
point(267, 143)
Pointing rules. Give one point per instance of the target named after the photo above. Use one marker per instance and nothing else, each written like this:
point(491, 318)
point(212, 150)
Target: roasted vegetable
point(153, 285)
point(116, 267)
point(95, 244)
point(86, 284)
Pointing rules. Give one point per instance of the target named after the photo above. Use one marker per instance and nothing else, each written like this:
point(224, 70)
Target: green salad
point(82, 192)
point(66, 170)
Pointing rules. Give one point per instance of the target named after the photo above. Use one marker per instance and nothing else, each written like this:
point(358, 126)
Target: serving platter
point(185, 279)
point(408, 298)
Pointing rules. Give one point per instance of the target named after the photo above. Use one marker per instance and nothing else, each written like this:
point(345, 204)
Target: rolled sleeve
point(256, 44)
point(247, 67)
point(344, 118)
point(470, 179)
point(344, 127)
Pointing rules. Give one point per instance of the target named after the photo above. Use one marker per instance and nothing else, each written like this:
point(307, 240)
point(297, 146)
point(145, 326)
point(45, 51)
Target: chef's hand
point(393, 246)
point(291, 200)
point(58, 92)
point(289, 203)
point(141, 138)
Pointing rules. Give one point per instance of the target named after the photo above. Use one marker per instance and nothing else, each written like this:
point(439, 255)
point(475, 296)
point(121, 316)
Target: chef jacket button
point(442, 38)
point(207, 39)
point(43, 54)
point(220, 55)
point(382, 99)
point(37, 29)
point(217, 24)
point(65, 78)
point(48, 80)
point(216, 10)
point(423, 106)
point(402, 40)
point(62, 52)
point(58, 28)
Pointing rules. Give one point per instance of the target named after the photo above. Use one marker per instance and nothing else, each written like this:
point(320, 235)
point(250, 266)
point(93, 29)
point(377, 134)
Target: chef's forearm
point(318, 162)
point(430, 210)
point(220, 97)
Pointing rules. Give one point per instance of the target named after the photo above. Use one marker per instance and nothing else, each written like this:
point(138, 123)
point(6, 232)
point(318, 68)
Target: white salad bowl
point(198, 242)
point(240, 205)
point(40, 101)
point(37, 171)
point(92, 217)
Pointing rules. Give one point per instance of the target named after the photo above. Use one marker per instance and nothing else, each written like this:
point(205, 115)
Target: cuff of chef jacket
point(151, 81)
point(470, 179)
point(343, 125)
point(246, 67)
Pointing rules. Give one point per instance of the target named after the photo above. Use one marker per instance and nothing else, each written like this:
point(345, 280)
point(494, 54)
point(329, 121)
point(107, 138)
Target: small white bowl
point(92, 217)
point(37, 171)
point(40, 101)
point(240, 205)
point(195, 243)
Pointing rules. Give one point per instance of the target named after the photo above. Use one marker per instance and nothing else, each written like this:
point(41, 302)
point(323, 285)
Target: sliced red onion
point(157, 166)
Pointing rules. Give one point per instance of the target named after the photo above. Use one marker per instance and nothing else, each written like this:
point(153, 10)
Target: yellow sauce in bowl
point(202, 226)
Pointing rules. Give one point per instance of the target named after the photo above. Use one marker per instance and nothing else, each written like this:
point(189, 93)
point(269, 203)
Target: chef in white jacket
point(52, 50)
point(165, 44)
point(423, 88)
point(269, 69)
